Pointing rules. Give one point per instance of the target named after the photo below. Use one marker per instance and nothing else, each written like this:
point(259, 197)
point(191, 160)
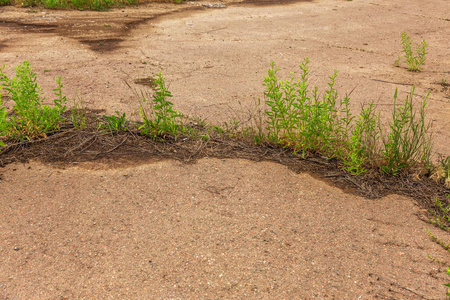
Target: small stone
point(214, 5)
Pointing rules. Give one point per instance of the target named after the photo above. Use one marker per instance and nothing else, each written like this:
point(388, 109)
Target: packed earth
point(219, 226)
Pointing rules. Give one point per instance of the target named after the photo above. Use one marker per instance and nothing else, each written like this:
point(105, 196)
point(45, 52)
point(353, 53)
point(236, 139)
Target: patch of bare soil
point(100, 215)
point(217, 228)
point(102, 32)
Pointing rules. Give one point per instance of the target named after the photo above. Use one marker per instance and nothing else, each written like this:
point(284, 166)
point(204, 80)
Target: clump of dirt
point(147, 81)
point(103, 45)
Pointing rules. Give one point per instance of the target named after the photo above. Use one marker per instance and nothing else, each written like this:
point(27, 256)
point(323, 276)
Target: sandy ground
point(215, 229)
point(218, 229)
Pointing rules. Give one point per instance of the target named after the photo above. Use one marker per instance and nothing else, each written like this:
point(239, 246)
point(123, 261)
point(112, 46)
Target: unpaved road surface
point(214, 229)
point(218, 228)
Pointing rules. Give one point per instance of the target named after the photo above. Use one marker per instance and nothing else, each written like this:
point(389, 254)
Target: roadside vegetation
point(300, 119)
point(294, 115)
point(99, 5)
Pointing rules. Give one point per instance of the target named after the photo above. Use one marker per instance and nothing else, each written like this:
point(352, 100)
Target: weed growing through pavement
point(115, 123)
point(409, 140)
point(363, 141)
point(30, 118)
point(448, 284)
point(413, 61)
point(158, 116)
point(441, 217)
point(293, 115)
point(299, 119)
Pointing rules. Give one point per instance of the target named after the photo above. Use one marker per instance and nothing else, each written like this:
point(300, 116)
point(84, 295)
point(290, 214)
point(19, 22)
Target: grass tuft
point(115, 123)
point(408, 142)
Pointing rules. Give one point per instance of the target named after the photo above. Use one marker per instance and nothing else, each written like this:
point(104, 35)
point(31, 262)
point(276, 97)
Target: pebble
point(214, 5)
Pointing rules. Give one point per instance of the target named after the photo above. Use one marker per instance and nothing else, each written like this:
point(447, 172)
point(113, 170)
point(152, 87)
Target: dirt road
point(218, 228)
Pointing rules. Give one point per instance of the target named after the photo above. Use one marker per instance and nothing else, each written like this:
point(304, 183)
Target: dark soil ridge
point(71, 146)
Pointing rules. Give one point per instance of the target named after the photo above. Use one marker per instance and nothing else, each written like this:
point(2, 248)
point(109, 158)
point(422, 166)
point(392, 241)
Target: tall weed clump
point(299, 118)
point(408, 141)
point(30, 118)
point(158, 116)
point(361, 145)
point(414, 61)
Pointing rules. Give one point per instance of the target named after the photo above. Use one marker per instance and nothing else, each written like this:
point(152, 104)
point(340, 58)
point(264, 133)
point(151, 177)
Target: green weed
point(441, 216)
point(158, 115)
point(408, 142)
point(53, 4)
point(81, 4)
point(257, 132)
point(448, 284)
point(297, 118)
point(30, 118)
point(115, 123)
point(362, 146)
point(293, 115)
point(439, 241)
point(413, 61)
